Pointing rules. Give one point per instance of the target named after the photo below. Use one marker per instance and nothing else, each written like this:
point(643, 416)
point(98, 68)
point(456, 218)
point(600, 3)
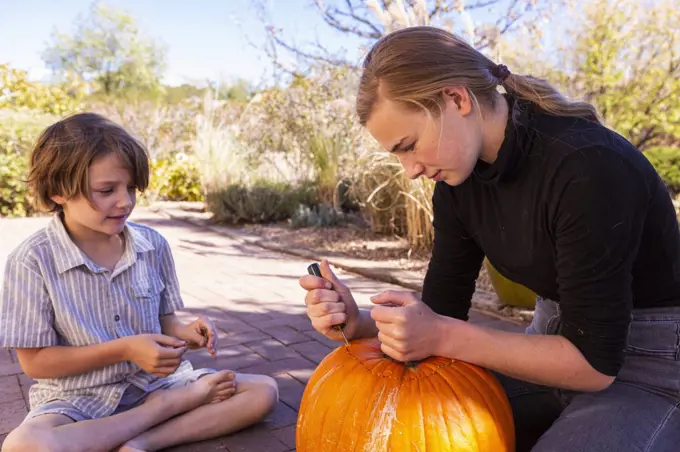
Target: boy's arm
point(155, 353)
point(171, 325)
point(63, 361)
point(199, 333)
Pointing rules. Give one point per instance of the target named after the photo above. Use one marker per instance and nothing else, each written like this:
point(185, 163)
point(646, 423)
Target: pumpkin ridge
point(480, 396)
point(442, 411)
point(422, 374)
point(455, 394)
point(497, 396)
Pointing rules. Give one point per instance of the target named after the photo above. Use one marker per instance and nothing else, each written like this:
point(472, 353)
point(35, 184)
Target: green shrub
point(666, 160)
point(323, 215)
point(176, 178)
point(14, 199)
point(19, 129)
point(259, 202)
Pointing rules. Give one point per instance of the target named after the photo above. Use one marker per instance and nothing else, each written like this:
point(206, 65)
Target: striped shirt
point(53, 294)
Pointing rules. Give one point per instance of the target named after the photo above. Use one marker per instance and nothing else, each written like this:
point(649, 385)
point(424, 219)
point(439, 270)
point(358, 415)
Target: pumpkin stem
point(408, 364)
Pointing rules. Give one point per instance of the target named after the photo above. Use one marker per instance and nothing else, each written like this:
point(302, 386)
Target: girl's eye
point(410, 147)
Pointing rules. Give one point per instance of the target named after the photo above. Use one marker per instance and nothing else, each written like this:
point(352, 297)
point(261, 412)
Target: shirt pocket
point(147, 298)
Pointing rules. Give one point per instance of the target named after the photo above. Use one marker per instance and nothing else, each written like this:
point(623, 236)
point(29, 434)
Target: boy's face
point(112, 193)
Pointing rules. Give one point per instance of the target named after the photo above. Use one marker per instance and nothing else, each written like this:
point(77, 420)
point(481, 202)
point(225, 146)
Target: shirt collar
point(70, 256)
point(519, 138)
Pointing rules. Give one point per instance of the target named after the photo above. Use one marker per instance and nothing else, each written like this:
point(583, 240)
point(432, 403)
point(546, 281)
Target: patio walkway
point(254, 298)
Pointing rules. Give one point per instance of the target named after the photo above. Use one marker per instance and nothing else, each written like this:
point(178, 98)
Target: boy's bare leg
point(110, 432)
point(255, 397)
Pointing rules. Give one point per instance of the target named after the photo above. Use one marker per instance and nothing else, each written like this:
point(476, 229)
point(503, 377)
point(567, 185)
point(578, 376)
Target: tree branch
point(356, 18)
point(330, 16)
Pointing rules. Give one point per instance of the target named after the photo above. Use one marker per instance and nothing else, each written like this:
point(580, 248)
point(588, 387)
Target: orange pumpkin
point(359, 399)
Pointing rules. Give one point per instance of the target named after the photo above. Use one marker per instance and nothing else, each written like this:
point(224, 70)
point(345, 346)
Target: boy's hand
point(157, 354)
point(200, 333)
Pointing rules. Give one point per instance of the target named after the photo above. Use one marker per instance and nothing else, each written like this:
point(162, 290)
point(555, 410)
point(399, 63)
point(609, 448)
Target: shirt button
point(116, 318)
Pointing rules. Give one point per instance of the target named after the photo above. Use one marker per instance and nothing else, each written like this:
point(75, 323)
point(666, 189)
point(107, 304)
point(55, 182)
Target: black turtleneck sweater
point(572, 211)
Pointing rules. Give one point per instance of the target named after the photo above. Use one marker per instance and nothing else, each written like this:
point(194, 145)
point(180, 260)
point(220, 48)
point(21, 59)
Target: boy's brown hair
point(64, 151)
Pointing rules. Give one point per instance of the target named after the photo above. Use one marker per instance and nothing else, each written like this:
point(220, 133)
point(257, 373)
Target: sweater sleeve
point(598, 202)
point(455, 263)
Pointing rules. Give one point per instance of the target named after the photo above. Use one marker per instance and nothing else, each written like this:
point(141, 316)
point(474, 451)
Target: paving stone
point(253, 318)
point(312, 350)
point(290, 390)
point(242, 338)
point(272, 350)
point(10, 369)
point(323, 339)
point(216, 444)
point(299, 368)
point(10, 389)
point(25, 380)
point(292, 321)
point(232, 325)
point(5, 357)
point(11, 415)
point(286, 335)
point(256, 438)
point(282, 416)
point(286, 435)
point(237, 362)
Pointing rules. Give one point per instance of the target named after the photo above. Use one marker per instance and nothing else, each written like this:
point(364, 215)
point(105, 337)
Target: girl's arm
point(411, 331)
point(549, 360)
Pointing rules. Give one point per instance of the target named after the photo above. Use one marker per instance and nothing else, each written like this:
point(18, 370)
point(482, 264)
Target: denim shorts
point(637, 412)
point(132, 397)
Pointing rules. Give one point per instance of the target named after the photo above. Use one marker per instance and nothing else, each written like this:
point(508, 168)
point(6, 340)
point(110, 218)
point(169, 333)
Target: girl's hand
point(329, 302)
point(408, 329)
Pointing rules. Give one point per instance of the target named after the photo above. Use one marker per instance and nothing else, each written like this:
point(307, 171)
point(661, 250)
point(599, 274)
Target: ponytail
point(541, 93)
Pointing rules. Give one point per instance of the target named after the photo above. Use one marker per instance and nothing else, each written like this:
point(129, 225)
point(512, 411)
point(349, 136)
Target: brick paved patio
point(254, 297)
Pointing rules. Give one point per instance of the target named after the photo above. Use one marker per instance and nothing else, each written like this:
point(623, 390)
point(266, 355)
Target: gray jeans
point(638, 412)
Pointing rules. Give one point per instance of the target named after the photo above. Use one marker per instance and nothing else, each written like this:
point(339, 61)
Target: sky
point(220, 40)
point(204, 38)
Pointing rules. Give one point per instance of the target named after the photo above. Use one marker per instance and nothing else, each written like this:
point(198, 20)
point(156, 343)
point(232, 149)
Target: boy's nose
point(126, 200)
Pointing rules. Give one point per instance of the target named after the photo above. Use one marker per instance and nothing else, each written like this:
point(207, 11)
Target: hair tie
point(501, 72)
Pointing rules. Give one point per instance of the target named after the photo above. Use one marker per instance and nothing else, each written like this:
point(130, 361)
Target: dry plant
point(393, 203)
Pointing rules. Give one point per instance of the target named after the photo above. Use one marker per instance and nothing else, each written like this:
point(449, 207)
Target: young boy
point(88, 303)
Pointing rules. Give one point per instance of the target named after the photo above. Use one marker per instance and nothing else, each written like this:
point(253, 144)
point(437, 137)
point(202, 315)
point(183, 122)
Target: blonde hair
point(414, 65)
point(64, 151)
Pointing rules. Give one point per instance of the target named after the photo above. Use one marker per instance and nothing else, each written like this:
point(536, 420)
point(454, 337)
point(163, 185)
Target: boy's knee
point(30, 439)
point(266, 391)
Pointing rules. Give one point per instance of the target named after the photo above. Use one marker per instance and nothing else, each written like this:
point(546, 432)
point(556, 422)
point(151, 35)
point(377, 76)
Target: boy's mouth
point(118, 218)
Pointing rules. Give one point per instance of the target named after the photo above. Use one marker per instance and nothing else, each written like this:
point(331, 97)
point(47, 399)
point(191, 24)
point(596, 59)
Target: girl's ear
point(460, 97)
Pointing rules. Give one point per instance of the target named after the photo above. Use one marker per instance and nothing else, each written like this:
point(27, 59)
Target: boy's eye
point(108, 191)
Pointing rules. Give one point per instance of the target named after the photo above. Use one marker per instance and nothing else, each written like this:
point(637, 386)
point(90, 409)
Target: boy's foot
point(211, 388)
point(216, 387)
